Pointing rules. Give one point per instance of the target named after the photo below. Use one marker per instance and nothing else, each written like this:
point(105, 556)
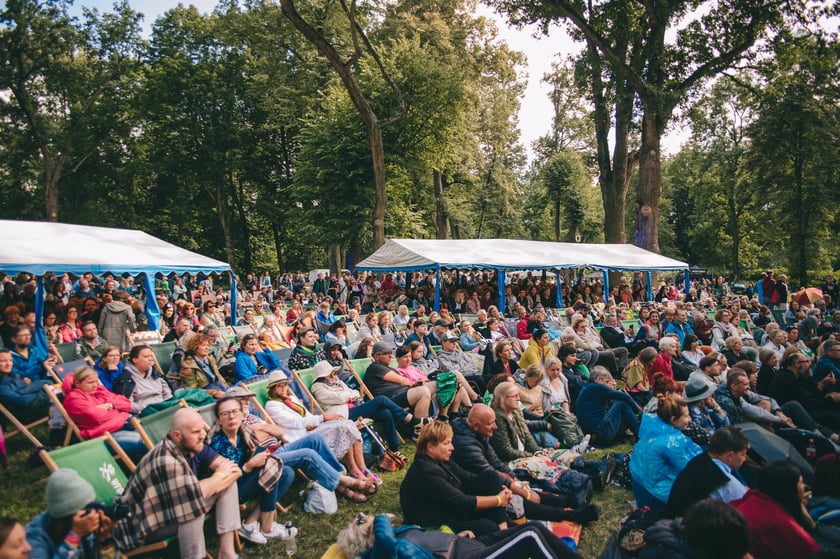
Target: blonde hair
point(499, 393)
point(433, 433)
point(82, 373)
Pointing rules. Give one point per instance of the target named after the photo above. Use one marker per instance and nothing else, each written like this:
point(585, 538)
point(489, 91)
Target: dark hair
point(6, 526)
point(733, 375)
point(402, 350)
point(336, 325)
point(728, 439)
point(496, 380)
point(792, 357)
point(245, 339)
point(747, 366)
point(778, 480)
point(304, 331)
point(716, 530)
point(135, 351)
point(539, 333)
point(689, 339)
point(662, 385)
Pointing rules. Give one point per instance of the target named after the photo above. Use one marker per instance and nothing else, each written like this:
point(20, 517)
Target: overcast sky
point(535, 113)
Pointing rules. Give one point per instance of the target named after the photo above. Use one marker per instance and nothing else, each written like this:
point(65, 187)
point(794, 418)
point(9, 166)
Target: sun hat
point(697, 388)
point(276, 377)
point(323, 369)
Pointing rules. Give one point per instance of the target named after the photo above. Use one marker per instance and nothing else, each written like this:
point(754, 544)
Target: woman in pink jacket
point(96, 410)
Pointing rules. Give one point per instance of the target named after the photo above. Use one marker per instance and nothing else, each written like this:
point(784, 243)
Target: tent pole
point(152, 309)
point(649, 285)
point(687, 280)
point(438, 281)
point(500, 280)
point(606, 287)
point(39, 337)
point(232, 298)
point(558, 292)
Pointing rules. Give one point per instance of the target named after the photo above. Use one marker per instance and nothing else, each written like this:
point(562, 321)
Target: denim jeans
point(384, 411)
point(249, 488)
point(130, 442)
point(312, 454)
point(619, 417)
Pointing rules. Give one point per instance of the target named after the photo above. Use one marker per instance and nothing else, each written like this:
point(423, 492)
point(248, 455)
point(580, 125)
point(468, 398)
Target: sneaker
point(581, 447)
point(252, 533)
point(280, 531)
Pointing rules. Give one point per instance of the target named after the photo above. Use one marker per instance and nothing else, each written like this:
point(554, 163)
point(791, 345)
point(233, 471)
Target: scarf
point(728, 329)
point(310, 353)
point(295, 407)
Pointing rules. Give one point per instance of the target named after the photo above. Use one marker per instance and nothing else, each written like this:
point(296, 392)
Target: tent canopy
point(40, 247)
point(510, 254)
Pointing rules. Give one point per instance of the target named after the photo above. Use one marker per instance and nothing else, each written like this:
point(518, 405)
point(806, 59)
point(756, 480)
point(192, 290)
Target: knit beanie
point(67, 493)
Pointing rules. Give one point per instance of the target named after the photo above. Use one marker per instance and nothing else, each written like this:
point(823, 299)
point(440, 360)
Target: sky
point(535, 113)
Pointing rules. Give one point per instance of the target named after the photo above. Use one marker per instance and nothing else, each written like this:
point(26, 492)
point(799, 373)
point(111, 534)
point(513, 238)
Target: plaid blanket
point(162, 491)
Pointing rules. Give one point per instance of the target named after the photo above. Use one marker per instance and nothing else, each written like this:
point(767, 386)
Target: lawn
point(23, 498)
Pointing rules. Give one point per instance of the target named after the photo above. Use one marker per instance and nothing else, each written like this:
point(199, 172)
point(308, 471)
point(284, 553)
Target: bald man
point(471, 439)
point(166, 494)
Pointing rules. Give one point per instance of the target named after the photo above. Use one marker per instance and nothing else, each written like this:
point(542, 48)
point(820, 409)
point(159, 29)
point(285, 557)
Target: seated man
point(679, 326)
point(615, 359)
point(829, 363)
point(23, 396)
point(166, 496)
point(12, 319)
point(451, 358)
point(420, 335)
point(615, 336)
point(91, 347)
point(381, 379)
point(792, 383)
point(474, 453)
point(30, 361)
point(606, 424)
point(710, 474)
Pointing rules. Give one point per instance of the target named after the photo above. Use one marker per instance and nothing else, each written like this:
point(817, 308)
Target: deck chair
point(322, 327)
point(153, 428)
point(259, 319)
point(93, 461)
point(283, 355)
point(241, 331)
point(72, 429)
point(61, 370)
point(163, 355)
point(21, 428)
point(304, 379)
point(66, 351)
point(357, 368)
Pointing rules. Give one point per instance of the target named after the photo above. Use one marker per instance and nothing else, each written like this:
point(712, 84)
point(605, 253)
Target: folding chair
point(163, 355)
point(283, 355)
point(20, 428)
point(66, 351)
point(241, 331)
point(61, 370)
point(356, 365)
point(153, 428)
point(72, 428)
point(304, 379)
point(93, 461)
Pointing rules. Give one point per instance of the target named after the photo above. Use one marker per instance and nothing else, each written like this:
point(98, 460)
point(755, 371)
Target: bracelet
point(223, 475)
point(246, 469)
point(73, 539)
point(498, 500)
point(528, 495)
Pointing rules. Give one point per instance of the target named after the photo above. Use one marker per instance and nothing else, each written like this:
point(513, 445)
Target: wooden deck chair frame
point(313, 402)
point(139, 426)
point(59, 378)
point(22, 428)
point(72, 428)
point(362, 386)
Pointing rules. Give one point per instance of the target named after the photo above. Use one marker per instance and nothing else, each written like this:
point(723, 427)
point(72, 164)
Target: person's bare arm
point(225, 473)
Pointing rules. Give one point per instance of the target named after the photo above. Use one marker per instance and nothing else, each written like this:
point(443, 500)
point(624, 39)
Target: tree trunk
point(337, 263)
point(224, 222)
point(650, 184)
point(53, 175)
point(440, 206)
point(377, 151)
point(278, 245)
point(557, 221)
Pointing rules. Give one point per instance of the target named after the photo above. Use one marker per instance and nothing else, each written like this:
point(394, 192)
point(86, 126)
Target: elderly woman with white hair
point(669, 346)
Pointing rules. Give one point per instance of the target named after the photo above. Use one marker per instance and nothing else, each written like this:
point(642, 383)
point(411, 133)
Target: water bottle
point(811, 451)
point(291, 543)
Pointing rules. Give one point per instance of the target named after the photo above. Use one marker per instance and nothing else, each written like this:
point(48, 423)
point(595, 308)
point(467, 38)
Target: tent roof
point(511, 254)
point(39, 247)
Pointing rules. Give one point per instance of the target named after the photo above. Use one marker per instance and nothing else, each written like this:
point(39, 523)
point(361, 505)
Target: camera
point(114, 511)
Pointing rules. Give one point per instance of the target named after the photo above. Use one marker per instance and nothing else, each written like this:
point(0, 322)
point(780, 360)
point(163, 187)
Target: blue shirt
point(732, 489)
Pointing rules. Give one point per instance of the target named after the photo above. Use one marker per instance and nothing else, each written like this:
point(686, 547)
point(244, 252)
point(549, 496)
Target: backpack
point(565, 427)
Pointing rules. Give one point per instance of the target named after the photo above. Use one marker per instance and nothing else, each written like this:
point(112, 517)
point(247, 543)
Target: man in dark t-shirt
point(382, 380)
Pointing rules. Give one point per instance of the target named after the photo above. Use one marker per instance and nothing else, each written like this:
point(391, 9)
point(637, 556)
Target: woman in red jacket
point(96, 410)
point(775, 511)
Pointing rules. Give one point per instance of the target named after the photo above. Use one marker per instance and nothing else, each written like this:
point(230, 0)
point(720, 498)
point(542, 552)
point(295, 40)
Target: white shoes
point(581, 447)
point(252, 533)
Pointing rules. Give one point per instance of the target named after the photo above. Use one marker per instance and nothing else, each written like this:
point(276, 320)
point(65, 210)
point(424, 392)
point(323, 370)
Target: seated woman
point(776, 515)
point(505, 363)
point(110, 366)
point(668, 348)
point(341, 434)
point(530, 402)
point(539, 348)
point(71, 329)
point(253, 361)
point(370, 329)
point(365, 349)
point(198, 367)
point(337, 334)
point(387, 330)
point(437, 491)
point(402, 315)
point(662, 452)
point(735, 350)
point(335, 397)
point(450, 396)
point(306, 353)
point(419, 359)
point(651, 330)
point(690, 350)
point(264, 476)
point(272, 334)
point(96, 410)
point(637, 375)
point(706, 415)
point(470, 339)
point(249, 320)
point(25, 398)
point(140, 381)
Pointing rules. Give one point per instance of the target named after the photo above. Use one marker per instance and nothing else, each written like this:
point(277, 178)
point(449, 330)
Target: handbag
point(319, 499)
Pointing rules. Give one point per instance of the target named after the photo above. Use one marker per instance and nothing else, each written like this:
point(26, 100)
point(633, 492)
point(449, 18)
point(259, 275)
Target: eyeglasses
point(514, 396)
point(230, 413)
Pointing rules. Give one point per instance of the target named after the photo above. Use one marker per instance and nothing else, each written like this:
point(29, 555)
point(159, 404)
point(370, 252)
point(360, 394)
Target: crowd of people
point(502, 405)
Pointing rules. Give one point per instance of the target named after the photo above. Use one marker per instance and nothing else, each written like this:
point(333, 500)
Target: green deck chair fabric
point(163, 353)
point(260, 389)
point(158, 424)
point(360, 366)
point(66, 351)
point(92, 460)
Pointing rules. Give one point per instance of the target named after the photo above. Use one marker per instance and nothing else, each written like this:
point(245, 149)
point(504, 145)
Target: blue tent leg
point(649, 286)
point(152, 309)
point(438, 281)
point(606, 287)
point(500, 280)
point(39, 337)
point(233, 320)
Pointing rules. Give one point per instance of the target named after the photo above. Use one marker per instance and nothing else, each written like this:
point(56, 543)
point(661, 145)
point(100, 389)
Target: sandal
point(351, 495)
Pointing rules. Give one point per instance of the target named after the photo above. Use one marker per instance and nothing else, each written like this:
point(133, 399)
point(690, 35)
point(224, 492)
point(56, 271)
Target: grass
point(23, 498)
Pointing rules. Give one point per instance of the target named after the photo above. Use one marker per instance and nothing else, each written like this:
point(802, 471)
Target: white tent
point(511, 254)
point(41, 247)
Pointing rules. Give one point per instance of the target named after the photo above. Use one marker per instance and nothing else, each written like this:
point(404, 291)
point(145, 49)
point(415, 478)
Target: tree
point(345, 67)
point(631, 39)
point(59, 74)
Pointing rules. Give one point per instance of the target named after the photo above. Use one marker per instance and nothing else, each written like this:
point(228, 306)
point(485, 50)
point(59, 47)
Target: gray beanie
point(67, 493)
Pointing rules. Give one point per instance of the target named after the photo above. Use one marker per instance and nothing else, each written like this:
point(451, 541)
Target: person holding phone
point(72, 526)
